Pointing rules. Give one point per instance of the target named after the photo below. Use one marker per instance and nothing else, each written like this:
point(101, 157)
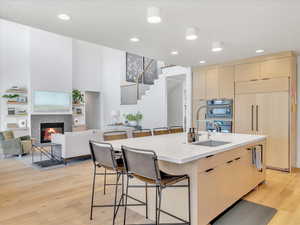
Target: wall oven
point(219, 111)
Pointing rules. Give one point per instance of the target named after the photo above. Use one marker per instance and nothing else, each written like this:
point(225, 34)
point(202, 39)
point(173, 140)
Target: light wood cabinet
point(244, 113)
point(226, 82)
point(247, 72)
point(212, 84)
point(266, 114)
point(273, 120)
point(276, 68)
point(230, 177)
point(199, 85)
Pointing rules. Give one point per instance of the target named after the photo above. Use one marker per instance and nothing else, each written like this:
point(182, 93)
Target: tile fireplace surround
point(36, 121)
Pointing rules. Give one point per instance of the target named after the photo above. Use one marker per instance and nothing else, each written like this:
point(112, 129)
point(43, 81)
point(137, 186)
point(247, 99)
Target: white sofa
point(76, 144)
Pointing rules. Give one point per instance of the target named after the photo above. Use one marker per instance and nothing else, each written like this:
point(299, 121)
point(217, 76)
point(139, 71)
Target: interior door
point(244, 113)
point(273, 121)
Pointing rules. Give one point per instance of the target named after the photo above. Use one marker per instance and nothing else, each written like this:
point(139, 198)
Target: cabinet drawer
point(213, 161)
point(259, 86)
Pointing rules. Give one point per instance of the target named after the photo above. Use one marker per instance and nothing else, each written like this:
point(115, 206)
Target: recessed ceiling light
point(217, 46)
point(134, 39)
point(260, 51)
point(153, 15)
point(64, 17)
point(191, 34)
point(202, 61)
point(174, 52)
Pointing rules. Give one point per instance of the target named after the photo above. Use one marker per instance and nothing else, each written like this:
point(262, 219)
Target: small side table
point(53, 157)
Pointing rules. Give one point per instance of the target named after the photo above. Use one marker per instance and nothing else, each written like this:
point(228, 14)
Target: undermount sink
point(211, 143)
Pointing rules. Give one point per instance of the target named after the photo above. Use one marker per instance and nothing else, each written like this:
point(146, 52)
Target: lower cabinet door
point(208, 197)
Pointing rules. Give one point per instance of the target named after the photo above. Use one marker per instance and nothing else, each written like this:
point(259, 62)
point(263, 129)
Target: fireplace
point(47, 129)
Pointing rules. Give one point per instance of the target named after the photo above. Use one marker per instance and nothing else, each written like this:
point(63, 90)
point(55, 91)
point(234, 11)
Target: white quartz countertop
point(174, 148)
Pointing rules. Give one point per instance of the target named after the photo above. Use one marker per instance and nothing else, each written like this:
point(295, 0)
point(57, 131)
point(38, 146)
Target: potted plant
point(133, 119)
point(77, 97)
point(11, 97)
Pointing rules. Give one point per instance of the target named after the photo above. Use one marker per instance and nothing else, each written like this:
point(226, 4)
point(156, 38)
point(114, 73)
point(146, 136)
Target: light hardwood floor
point(62, 196)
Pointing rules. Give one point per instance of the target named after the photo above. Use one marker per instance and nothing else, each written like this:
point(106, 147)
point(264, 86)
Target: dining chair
point(142, 133)
point(161, 130)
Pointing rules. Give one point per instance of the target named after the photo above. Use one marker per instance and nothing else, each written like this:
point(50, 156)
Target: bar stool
point(176, 129)
point(142, 133)
point(143, 165)
point(161, 130)
point(103, 155)
point(110, 136)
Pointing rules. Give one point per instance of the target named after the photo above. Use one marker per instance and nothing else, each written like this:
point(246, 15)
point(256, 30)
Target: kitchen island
point(220, 175)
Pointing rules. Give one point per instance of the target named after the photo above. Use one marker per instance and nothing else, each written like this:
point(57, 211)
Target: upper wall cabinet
point(199, 85)
point(212, 84)
point(226, 82)
point(276, 68)
point(215, 82)
point(247, 72)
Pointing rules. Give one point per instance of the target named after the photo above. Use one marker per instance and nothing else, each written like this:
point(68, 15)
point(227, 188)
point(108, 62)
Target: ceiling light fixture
point(202, 61)
point(260, 51)
point(174, 52)
point(217, 46)
point(153, 15)
point(134, 39)
point(64, 17)
point(191, 34)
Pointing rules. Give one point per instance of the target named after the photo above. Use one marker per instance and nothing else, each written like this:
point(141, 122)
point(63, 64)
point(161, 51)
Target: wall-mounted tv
point(51, 101)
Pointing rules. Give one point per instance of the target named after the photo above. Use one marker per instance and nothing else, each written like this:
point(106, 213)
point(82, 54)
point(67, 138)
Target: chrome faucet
point(216, 125)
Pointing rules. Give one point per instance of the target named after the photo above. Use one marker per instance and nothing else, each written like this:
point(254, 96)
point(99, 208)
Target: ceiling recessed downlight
point(63, 16)
point(174, 52)
point(217, 46)
point(191, 34)
point(153, 15)
point(260, 51)
point(202, 61)
point(134, 39)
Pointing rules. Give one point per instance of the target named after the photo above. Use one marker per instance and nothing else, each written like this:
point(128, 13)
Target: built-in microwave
point(219, 108)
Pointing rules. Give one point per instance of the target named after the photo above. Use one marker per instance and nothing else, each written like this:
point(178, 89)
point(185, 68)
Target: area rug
point(246, 213)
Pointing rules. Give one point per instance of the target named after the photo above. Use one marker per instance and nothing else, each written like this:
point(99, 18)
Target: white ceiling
point(243, 25)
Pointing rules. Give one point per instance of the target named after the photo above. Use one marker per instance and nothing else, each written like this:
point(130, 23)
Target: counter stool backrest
point(142, 133)
point(103, 154)
point(114, 135)
point(161, 130)
point(176, 129)
point(141, 163)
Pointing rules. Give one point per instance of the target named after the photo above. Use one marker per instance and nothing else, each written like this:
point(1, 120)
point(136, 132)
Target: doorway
point(92, 110)
point(176, 100)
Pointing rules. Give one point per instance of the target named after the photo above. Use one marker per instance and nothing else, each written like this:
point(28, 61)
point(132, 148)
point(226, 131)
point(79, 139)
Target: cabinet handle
point(252, 112)
point(266, 78)
point(256, 117)
point(209, 156)
point(254, 80)
point(230, 161)
point(209, 170)
point(238, 158)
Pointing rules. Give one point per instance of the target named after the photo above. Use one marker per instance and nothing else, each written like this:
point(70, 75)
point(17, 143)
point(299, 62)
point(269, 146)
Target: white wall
point(86, 66)
point(51, 61)
point(14, 60)
point(112, 69)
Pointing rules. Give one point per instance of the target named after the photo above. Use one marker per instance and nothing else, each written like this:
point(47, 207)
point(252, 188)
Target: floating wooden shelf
point(12, 91)
point(78, 114)
point(16, 115)
point(17, 103)
point(78, 105)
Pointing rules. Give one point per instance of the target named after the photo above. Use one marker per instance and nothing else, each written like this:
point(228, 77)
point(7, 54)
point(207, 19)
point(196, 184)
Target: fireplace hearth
point(47, 129)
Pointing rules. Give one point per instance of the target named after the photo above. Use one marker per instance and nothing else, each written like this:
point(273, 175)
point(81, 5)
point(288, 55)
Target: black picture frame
point(134, 67)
